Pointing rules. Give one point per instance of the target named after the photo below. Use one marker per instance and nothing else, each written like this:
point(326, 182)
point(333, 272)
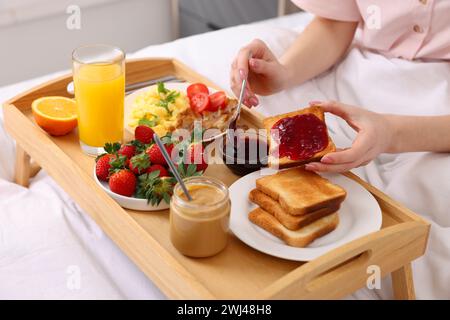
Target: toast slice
point(286, 162)
point(298, 238)
point(289, 221)
point(300, 192)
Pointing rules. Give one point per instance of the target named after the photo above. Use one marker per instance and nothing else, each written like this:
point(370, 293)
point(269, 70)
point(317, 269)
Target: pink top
point(409, 29)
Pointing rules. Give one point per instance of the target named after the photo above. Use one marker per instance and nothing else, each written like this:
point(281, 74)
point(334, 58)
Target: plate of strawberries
point(136, 175)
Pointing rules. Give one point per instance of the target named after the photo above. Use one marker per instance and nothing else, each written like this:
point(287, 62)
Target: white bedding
point(44, 236)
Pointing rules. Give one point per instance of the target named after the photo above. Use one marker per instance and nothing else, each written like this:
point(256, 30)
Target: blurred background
point(38, 36)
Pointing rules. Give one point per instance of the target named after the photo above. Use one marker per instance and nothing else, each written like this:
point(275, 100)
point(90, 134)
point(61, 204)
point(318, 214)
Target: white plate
point(129, 202)
point(359, 215)
point(179, 86)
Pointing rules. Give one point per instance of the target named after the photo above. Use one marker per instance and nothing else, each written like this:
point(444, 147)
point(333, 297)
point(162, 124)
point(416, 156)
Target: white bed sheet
point(43, 233)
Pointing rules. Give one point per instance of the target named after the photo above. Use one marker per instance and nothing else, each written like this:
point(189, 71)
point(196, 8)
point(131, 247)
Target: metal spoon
point(171, 165)
point(233, 122)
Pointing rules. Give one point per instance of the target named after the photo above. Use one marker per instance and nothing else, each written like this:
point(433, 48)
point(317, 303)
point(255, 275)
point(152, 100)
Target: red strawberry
point(123, 182)
point(144, 134)
point(155, 154)
point(127, 150)
point(103, 165)
point(195, 154)
point(139, 163)
point(169, 149)
point(162, 170)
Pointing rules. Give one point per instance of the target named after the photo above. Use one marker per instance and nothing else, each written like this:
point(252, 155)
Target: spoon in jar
point(171, 165)
point(233, 123)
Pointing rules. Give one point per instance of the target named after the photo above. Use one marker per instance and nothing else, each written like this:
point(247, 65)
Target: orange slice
point(56, 115)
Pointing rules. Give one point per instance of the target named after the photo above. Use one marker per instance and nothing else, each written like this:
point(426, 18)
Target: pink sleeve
point(342, 10)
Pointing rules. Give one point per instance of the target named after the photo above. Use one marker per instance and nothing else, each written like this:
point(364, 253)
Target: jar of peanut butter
point(199, 228)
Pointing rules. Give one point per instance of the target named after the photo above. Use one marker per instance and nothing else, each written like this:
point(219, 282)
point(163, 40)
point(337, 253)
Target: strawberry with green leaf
point(140, 147)
point(156, 156)
point(103, 165)
point(112, 148)
point(103, 161)
point(118, 163)
point(128, 150)
point(155, 189)
point(164, 188)
point(188, 170)
point(144, 134)
point(157, 167)
point(123, 182)
point(139, 163)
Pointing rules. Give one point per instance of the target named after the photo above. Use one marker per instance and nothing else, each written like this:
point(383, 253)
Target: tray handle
point(345, 269)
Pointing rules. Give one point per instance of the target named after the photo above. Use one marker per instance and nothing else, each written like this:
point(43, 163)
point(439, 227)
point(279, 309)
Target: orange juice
point(100, 94)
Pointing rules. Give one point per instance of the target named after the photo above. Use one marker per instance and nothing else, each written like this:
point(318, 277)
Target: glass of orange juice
point(99, 82)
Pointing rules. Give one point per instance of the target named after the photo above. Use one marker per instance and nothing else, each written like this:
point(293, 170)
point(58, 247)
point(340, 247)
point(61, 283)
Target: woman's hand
point(375, 134)
point(266, 75)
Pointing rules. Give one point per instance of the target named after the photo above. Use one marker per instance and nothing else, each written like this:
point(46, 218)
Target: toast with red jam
point(298, 137)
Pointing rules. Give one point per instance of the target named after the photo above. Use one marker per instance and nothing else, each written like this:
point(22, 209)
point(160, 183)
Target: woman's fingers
point(321, 167)
point(360, 147)
point(250, 99)
point(242, 63)
point(349, 113)
point(253, 59)
point(240, 70)
point(260, 66)
point(341, 167)
point(256, 49)
point(367, 145)
point(336, 108)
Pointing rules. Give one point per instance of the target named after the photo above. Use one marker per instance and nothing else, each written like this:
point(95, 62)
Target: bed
point(51, 249)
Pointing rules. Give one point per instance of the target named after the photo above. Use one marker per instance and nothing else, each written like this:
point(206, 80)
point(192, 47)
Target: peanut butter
point(199, 228)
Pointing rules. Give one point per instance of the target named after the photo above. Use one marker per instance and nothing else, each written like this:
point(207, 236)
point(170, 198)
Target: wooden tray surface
point(237, 272)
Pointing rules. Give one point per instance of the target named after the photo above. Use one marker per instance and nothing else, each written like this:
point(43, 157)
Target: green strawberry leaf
point(140, 147)
point(140, 162)
point(153, 175)
point(191, 170)
point(118, 163)
point(166, 198)
point(153, 188)
point(181, 170)
point(112, 148)
point(157, 172)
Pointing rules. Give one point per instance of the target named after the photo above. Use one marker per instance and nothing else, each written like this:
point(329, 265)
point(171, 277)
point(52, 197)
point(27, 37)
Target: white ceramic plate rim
point(368, 219)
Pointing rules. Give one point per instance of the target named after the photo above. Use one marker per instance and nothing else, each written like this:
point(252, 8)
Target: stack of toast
point(296, 205)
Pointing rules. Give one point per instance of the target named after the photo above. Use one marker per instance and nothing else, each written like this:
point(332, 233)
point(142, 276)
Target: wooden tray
point(239, 271)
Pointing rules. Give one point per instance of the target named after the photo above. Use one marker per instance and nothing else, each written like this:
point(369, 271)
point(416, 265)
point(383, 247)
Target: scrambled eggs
point(165, 108)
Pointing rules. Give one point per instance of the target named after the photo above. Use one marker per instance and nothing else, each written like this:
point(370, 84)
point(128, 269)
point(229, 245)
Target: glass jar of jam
point(199, 228)
point(245, 151)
